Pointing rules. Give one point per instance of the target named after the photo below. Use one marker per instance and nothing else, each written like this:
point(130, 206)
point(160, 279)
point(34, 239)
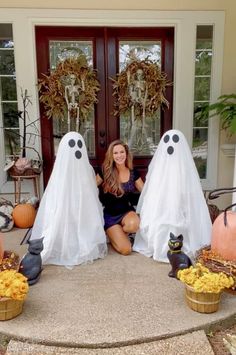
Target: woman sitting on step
point(118, 181)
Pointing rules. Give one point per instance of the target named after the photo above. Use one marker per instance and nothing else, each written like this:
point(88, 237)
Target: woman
point(118, 181)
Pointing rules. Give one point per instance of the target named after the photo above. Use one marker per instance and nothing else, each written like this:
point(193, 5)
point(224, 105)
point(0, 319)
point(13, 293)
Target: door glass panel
point(202, 93)
point(202, 88)
point(9, 120)
point(142, 139)
point(9, 85)
point(12, 142)
point(59, 51)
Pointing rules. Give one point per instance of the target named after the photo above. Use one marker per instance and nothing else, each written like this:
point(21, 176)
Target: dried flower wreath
point(156, 82)
point(52, 88)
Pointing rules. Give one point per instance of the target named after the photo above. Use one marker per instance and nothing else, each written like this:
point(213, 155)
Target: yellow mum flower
point(203, 280)
point(13, 285)
point(24, 287)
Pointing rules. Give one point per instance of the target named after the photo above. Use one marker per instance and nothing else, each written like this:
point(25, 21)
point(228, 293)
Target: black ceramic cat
point(31, 263)
point(178, 260)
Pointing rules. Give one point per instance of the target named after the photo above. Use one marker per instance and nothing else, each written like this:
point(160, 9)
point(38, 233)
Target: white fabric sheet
point(70, 216)
point(172, 200)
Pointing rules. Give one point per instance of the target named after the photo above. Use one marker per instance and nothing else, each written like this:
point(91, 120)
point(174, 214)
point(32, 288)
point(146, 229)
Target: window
point(202, 86)
point(9, 121)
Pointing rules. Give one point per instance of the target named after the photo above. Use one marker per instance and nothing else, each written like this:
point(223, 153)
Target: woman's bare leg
point(118, 234)
point(119, 239)
point(130, 222)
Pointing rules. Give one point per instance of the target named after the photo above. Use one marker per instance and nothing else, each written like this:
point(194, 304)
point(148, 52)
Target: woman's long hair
point(111, 181)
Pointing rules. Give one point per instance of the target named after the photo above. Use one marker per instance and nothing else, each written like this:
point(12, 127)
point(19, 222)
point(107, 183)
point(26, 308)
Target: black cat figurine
point(177, 258)
point(31, 263)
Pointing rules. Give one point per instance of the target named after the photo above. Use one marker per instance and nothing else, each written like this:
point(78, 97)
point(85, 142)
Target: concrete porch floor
point(120, 302)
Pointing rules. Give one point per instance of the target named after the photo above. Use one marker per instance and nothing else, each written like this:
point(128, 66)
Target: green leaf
point(233, 125)
point(225, 108)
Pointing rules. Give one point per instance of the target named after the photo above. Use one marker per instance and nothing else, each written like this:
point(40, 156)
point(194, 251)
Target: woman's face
point(119, 154)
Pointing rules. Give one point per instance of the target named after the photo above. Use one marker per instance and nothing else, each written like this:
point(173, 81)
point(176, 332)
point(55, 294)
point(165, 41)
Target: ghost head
point(171, 140)
point(72, 157)
point(72, 143)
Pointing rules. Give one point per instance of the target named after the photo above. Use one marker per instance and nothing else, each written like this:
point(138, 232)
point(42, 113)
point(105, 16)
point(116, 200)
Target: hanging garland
point(155, 82)
point(52, 88)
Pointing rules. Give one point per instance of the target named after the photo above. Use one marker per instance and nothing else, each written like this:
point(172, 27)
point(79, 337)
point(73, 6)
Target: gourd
point(223, 238)
point(6, 208)
point(6, 222)
point(24, 215)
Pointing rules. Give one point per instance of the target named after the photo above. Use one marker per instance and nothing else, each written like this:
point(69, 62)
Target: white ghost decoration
point(172, 201)
point(70, 216)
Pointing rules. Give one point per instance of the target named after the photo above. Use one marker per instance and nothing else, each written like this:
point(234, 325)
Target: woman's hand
point(139, 184)
point(98, 180)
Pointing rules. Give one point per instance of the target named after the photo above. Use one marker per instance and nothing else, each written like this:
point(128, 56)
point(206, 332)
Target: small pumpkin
point(223, 238)
point(24, 215)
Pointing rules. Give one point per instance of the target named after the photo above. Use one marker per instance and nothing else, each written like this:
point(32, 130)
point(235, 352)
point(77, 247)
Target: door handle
point(102, 133)
point(102, 143)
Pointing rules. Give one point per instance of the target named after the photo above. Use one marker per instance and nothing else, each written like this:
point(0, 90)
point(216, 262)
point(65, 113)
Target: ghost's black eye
point(79, 143)
point(71, 143)
point(170, 150)
point(166, 138)
point(175, 138)
point(78, 154)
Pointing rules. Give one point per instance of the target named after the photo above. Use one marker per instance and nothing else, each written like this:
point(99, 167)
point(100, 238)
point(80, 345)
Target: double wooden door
point(108, 50)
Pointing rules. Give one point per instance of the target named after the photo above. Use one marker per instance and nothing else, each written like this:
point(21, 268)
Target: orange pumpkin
point(24, 215)
point(223, 238)
point(1, 247)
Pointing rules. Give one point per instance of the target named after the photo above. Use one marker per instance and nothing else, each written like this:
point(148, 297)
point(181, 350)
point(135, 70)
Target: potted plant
point(224, 108)
point(203, 287)
point(13, 285)
point(13, 290)
point(20, 164)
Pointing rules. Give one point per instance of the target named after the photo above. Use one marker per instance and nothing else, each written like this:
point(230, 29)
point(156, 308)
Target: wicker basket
point(10, 308)
point(202, 302)
point(216, 263)
point(14, 172)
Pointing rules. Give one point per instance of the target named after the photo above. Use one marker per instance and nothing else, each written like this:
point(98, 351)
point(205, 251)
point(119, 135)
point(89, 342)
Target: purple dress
point(115, 208)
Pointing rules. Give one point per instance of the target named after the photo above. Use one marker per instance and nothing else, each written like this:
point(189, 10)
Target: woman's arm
point(99, 180)
point(139, 184)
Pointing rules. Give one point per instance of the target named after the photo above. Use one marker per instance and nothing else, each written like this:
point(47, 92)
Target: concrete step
point(106, 306)
point(191, 343)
